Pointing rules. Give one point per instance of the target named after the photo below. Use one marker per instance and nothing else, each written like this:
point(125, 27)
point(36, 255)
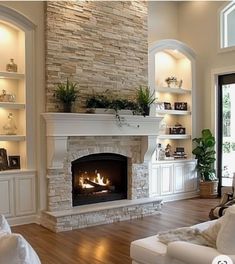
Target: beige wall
point(162, 20)
point(34, 11)
point(199, 28)
point(195, 23)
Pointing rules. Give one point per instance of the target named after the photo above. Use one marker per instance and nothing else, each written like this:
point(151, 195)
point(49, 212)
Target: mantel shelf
point(173, 112)
point(172, 90)
point(175, 136)
point(12, 138)
point(76, 124)
point(11, 75)
point(12, 105)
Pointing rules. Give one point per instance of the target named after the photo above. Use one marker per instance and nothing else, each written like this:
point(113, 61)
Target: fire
point(98, 179)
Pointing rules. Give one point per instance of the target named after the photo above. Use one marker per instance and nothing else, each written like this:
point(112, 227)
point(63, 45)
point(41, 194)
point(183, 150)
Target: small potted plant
point(144, 99)
point(205, 155)
point(67, 94)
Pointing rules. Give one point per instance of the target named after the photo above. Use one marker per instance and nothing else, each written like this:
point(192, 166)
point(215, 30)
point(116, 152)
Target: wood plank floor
point(110, 243)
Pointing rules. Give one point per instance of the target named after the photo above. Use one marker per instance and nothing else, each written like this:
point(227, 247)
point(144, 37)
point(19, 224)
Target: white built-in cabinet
point(173, 180)
point(171, 58)
point(17, 186)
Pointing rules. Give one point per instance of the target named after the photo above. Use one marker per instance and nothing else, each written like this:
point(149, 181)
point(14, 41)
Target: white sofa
point(14, 249)
point(151, 251)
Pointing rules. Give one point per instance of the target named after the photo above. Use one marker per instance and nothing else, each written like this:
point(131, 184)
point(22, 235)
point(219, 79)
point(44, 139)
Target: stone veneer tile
point(100, 44)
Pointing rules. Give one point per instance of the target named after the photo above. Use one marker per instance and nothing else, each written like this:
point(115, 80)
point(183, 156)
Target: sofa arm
point(191, 253)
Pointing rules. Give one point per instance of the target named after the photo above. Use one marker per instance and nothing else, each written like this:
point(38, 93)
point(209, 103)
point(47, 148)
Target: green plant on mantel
point(145, 99)
point(67, 94)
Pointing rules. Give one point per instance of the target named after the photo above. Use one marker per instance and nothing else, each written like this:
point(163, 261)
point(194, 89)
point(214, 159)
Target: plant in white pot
point(205, 155)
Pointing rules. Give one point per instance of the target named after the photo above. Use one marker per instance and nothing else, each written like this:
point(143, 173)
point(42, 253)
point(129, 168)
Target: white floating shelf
point(172, 90)
point(173, 112)
point(170, 136)
point(12, 138)
point(12, 105)
point(11, 75)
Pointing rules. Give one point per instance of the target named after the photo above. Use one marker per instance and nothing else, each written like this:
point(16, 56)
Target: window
point(227, 26)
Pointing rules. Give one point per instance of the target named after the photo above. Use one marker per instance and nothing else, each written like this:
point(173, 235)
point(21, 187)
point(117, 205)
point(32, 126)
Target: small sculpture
point(5, 97)
point(11, 67)
point(10, 127)
point(172, 82)
point(168, 151)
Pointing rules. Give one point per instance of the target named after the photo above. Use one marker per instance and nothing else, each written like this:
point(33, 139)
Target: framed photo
point(160, 106)
point(181, 106)
point(167, 106)
point(3, 159)
point(14, 162)
point(177, 130)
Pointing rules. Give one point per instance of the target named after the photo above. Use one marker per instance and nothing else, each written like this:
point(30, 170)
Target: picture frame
point(167, 106)
point(159, 106)
point(14, 162)
point(3, 159)
point(181, 106)
point(177, 130)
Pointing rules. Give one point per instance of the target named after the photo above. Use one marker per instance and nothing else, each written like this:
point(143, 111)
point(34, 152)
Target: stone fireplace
point(74, 141)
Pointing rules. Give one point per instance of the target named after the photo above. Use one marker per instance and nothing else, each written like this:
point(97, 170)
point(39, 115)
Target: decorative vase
point(10, 127)
point(67, 107)
point(11, 67)
point(208, 189)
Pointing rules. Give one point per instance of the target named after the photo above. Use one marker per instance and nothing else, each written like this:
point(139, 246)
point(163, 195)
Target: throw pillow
point(4, 224)
point(226, 240)
point(15, 249)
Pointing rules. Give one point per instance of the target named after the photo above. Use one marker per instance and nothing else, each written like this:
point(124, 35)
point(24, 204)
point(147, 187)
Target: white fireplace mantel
point(74, 124)
point(60, 126)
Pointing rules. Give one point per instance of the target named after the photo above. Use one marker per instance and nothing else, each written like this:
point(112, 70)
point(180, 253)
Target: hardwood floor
point(110, 243)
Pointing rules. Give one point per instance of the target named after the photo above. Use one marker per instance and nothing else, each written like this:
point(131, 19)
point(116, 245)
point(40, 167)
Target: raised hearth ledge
point(101, 213)
point(82, 209)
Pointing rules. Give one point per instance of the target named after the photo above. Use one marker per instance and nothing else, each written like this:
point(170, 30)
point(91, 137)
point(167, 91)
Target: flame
point(98, 179)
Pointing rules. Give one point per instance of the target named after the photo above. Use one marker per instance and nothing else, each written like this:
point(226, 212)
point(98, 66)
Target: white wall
point(199, 28)
point(34, 11)
point(162, 20)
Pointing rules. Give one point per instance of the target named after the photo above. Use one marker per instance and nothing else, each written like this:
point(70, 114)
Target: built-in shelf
point(12, 138)
point(170, 136)
point(15, 171)
point(173, 112)
point(172, 90)
point(11, 75)
point(12, 105)
point(173, 161)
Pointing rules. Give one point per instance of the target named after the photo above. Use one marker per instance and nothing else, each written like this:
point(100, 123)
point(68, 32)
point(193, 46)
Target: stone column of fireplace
point(60, 180)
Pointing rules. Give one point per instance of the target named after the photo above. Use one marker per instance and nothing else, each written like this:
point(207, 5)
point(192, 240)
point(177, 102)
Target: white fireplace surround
point(60, 126)
point(71, 136)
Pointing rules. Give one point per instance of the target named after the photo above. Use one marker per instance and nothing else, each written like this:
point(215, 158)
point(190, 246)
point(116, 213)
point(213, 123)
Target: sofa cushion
point(14, 249)
point(148, 251)
point(4, 224)
point(226, 240)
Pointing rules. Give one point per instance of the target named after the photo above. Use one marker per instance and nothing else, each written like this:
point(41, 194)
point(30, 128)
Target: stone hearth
point(72, 136)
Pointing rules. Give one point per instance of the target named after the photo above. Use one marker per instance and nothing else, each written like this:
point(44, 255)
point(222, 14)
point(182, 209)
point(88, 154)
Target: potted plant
point(67, 94)
point(144, 99)
point(205, 155)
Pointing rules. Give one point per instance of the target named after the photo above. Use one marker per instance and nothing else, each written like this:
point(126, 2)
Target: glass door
point(226, 130)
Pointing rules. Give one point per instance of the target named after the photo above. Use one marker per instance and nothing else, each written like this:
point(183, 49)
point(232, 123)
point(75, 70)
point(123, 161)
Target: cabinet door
point(155, 180)
point(6, 196)
point(178, 178)
point(166, 179)
point(191, 180)
point(25, 195)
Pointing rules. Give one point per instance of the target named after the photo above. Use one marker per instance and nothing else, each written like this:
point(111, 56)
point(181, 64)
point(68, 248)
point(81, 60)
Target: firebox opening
point(99, 178)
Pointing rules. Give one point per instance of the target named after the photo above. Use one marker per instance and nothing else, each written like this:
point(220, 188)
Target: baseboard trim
point(24, 220)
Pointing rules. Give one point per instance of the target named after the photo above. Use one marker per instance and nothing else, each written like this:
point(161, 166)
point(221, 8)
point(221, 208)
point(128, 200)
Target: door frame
point(214, 96)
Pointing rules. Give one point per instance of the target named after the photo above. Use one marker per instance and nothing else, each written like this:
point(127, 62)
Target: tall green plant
point(67, 94)
point(205, 155)
point(144, 99)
